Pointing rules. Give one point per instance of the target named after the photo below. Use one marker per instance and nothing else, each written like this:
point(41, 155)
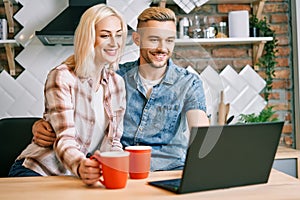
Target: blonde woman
point(84, 101)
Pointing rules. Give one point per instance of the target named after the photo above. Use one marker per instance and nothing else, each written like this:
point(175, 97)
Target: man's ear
point(136, 38)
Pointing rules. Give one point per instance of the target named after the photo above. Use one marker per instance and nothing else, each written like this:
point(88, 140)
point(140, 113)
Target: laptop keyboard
point(173, 182)
point(172, 185)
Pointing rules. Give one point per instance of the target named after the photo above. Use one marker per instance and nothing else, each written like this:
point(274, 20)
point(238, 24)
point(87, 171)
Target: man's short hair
point(156, 13)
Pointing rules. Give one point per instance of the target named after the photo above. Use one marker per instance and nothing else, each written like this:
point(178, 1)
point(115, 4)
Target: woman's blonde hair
point(84, 40)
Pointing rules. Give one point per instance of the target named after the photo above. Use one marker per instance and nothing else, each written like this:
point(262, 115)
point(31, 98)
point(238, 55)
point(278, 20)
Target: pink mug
point(139, 161)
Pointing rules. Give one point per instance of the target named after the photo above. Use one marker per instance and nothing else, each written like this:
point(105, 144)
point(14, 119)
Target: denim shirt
point(160, 121)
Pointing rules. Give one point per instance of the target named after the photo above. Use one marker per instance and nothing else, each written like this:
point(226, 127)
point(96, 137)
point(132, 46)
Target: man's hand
point(43, 134)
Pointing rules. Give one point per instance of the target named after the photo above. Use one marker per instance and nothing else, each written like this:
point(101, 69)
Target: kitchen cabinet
point(257, 42)
point(287, 160)
point(10, 43)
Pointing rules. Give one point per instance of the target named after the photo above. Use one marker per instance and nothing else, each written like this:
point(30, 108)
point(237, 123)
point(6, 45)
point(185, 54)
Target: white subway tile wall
point(24, 96)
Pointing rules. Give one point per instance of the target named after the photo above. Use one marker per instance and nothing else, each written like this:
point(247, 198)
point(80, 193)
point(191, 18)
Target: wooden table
point(280, 186)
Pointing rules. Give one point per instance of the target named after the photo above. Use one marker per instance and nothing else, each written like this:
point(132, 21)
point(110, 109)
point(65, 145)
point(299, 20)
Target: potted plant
point(254, 28)
point(266, 115)
point(267, 60)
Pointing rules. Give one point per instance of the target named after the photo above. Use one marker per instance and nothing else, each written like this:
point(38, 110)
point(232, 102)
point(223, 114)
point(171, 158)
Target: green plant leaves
point(264, 116)
point(268, 59)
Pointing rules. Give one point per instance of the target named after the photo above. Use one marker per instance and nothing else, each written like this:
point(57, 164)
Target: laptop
point(227, 156)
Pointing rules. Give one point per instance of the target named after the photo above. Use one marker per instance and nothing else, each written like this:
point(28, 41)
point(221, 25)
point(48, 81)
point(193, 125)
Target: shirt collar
point(171, 75)
point(105, 78)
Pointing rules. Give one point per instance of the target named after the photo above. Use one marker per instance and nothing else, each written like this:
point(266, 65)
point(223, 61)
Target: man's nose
point(162, 45)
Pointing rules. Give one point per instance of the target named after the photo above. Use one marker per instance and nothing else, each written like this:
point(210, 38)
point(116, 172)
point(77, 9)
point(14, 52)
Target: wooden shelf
point(258, 42)
point(10, 44)
point(10, 53)
point(13, 42)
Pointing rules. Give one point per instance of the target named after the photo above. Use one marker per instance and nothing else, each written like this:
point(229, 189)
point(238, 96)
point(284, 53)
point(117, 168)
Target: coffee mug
point(139, 161)
point(115, 167)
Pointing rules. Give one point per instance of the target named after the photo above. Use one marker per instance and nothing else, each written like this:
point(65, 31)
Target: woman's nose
point(112, 41)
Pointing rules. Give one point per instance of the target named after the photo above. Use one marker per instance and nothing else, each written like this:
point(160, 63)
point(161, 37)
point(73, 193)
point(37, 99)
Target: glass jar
point(222, 30)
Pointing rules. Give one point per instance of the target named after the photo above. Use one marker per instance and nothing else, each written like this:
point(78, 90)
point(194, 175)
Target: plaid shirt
point(69, 110)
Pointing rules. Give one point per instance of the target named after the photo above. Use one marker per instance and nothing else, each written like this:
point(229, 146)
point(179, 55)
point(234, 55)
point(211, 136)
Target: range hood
point(61, 29)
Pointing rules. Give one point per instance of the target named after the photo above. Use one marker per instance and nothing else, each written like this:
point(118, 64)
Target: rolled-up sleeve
point(195, 97)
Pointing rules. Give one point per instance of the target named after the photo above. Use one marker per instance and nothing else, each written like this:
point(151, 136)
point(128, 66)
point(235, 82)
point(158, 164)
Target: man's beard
point(152, 62)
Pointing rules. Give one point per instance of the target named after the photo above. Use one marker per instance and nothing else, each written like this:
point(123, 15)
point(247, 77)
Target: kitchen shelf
point(13, 42)
point(222, 41)
point(10, 44)
point(10, 53)
point(257, 42)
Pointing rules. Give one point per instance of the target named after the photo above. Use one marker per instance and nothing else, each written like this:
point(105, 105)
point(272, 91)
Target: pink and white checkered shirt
point(69, 109)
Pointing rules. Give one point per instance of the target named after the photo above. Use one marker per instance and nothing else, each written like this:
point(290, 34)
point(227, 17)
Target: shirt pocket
point(165, 118)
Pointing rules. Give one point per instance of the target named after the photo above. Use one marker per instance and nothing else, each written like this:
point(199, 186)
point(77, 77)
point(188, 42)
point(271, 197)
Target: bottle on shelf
point(222, 30)
point(3, 29)
point(184, 28)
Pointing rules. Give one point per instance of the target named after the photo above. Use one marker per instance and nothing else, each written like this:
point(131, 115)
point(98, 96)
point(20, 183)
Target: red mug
point(115, 167)
point(139, 161)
